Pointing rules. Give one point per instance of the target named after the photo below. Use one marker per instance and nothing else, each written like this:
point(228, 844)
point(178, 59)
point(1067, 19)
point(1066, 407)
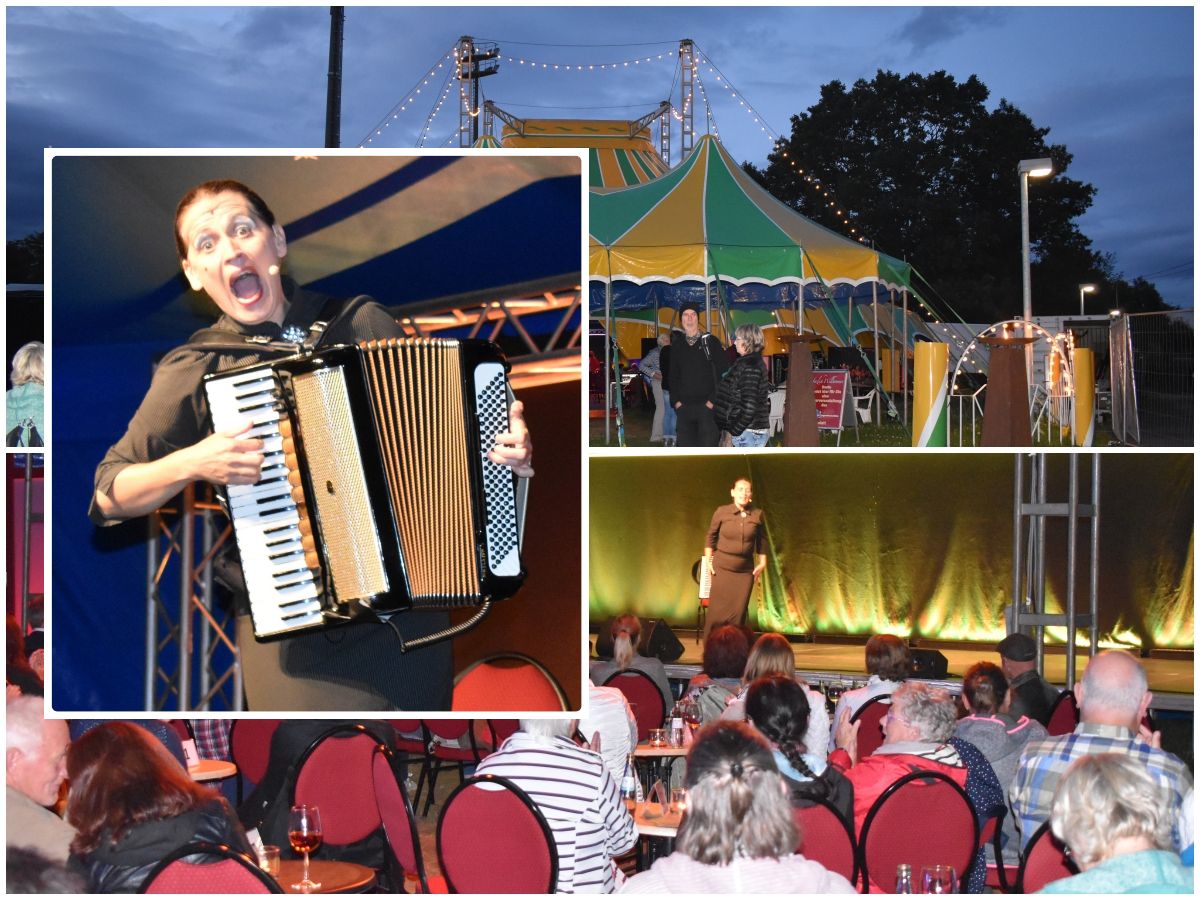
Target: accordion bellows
point(376, 492)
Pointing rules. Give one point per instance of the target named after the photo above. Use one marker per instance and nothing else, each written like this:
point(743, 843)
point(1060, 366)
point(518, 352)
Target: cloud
point(939, 25)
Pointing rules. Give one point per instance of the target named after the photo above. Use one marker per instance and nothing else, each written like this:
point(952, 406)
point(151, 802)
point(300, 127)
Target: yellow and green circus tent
point(706, 221)
point(620, 153)
point(487, 141)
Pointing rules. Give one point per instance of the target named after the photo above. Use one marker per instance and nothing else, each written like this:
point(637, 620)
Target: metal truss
point(192, 661)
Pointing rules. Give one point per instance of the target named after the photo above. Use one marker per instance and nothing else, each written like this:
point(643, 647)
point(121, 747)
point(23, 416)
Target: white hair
point(1104, 797)
point(24, 724)
point(1113, 682)
point(548, 728)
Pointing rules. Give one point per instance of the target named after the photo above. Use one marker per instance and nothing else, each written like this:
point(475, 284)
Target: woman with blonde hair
point(1115, 818)
point(24, 403)
point(626, 633)
point(772, 655)
point(742, 406)
point(739, 834)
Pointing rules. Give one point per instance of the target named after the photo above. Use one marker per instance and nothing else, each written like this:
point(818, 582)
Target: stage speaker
point(927, 663)
point(658, 640)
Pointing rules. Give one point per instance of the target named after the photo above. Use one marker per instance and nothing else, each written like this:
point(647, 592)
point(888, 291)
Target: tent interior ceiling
point(402, 229)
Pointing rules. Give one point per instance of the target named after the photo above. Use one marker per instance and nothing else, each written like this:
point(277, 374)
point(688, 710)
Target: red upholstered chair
point(250, 749)
point(502, 729)
point(826, 837)
point(1000, 877)
point(334, 774)
point(507, 682)
point(217, 869)
point(923, 819)
point(400, 823)
point(1045, 860)
point(643, 694)
point(491, 839)
point(182, 728)
point(1064, 715)
point(443, 757)
point(871, 714)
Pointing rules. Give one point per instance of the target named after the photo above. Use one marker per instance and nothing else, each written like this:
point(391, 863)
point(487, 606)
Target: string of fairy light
point(813, 183)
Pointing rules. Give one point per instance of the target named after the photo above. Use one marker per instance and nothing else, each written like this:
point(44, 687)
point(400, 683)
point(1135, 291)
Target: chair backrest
point(491, 839)
point(250, 746)
point(334, 774)
point(1064, 715)
point(503, 729)
point(991, 833)
point(871, 715)
point(182, 728)
point(448, 729)
point(507, 682)
point(643, 694)
point(219, 870)
point(396, 813)
point(923, 818)
point(1045, 860)
point(826, 837)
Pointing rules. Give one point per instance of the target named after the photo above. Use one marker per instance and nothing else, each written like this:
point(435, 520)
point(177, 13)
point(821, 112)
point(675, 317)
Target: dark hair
point(219, 186)
point(736, 802)
point(984, 687)
point(887, 657)
point(779, 708)
point(121, 776)
point(17, 669)
point(725, 652)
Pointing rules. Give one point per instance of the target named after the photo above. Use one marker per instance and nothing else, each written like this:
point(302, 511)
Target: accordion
point(376, 494)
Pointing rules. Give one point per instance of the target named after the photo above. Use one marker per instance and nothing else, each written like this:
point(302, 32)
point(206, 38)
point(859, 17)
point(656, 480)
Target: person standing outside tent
point(697, 363)
point(651, 368)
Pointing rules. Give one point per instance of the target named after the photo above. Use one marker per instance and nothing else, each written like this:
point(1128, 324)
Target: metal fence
point(1153, 378)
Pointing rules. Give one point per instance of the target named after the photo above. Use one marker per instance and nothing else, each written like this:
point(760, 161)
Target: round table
point(212, 770)
point(335, 876)
point(659, 761)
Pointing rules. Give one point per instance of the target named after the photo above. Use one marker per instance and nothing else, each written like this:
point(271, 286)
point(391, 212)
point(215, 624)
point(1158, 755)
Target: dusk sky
point(1114, 85)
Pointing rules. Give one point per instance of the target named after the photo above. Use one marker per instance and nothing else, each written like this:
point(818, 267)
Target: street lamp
point(1026, 169)
point(1085, 289)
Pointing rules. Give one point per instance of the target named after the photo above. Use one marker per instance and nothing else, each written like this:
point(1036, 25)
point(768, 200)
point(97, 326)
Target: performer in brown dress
point(735, 552)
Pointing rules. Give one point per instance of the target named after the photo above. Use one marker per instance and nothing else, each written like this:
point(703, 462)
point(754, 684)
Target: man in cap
point(697, 362)
point(1031, 694)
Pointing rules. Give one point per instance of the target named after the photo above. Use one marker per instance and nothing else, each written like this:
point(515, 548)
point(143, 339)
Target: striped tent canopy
point(706, 222)
point(487, 141)
point(619, 153)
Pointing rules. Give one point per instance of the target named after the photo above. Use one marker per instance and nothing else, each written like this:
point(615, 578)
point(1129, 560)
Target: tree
point(922, 169)
point(24, 260)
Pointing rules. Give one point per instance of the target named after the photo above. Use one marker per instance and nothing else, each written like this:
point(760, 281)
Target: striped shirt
point(572, 788)
point(1043, 763)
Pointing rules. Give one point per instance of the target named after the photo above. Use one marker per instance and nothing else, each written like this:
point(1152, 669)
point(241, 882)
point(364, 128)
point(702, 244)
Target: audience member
point(772, 655)
point(35, 767)
point(915, 734)
point(626, 633)
point(780, 709)
point(999, 737)
point(35, 638)
point(30, 872)
point(573, 789)
point(1115, 818)
point(166, 735)
point(610, 728)
point(17, 670)
point(267, 807)
point(888, 663)
point(24, 415)
point(1112, 701)
point(724, 659)
point(1031, 695)
point(131, 805)
point(986, 796)
point(739, 835)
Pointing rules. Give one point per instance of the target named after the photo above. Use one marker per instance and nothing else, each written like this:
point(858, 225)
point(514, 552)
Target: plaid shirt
point(212, 738)
point(1043, 763)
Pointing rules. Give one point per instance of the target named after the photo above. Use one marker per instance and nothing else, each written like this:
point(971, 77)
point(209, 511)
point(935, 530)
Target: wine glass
point(304, 834)
point(939, 880)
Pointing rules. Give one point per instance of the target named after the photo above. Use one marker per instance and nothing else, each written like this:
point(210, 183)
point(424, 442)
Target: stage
point(828, 659)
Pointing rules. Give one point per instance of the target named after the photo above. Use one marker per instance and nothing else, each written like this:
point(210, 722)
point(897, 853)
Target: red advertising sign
point(831, 390)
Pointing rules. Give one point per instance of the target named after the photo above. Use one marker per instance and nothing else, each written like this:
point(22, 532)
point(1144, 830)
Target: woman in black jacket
point(742, 407)
point(131, 804)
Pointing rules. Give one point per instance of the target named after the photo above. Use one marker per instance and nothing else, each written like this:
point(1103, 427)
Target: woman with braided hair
point(779, 708)
point(738, 835)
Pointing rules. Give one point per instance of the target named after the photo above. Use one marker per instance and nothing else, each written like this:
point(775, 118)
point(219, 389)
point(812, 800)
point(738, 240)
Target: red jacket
point(872, 775)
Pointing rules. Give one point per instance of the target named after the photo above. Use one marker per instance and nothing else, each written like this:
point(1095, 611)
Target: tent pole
point(875, 327)
point(904, 355)
point(607, 349)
